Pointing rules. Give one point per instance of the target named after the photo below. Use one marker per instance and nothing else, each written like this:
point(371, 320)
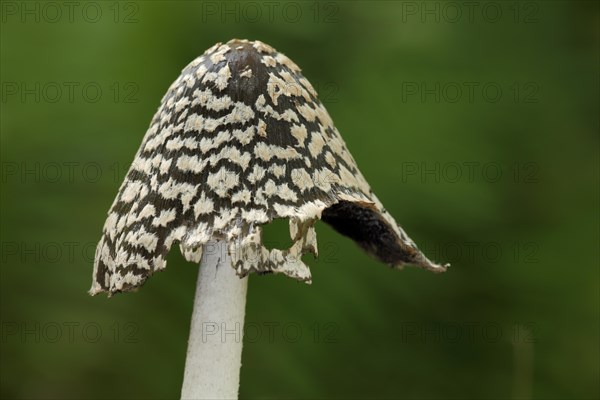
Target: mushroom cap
point(240, 139)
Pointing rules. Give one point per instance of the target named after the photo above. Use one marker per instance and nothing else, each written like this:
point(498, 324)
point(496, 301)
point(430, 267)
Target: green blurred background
point(476, 125)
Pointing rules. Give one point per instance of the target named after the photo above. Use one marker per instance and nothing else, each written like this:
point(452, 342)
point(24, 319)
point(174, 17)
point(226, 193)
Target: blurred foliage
point(517, 316)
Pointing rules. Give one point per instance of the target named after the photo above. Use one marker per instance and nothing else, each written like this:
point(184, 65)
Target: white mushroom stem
point(214, 356)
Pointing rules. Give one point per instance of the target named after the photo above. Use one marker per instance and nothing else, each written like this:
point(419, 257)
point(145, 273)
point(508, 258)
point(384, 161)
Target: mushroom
point(240, 139)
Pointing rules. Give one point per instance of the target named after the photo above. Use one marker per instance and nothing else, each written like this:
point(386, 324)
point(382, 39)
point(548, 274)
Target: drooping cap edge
point(363, 221)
